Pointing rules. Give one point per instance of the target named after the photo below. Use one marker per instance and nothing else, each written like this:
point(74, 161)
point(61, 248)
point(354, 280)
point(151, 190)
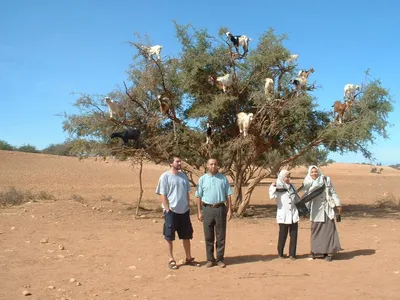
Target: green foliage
point(288, 129)
point(28, 148)
point(6, 146)
point(58, 149)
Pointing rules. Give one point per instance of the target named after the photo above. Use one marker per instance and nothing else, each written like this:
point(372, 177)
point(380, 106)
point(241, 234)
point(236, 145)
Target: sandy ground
point(112, 255)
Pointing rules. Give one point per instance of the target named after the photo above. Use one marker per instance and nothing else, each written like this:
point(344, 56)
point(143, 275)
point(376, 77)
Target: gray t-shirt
point(176, 189)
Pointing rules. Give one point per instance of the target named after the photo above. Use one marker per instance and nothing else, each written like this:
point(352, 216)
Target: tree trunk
point(241, 209)
point(140, 185)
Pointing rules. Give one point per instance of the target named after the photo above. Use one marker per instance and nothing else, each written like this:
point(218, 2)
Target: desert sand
point(87, 243)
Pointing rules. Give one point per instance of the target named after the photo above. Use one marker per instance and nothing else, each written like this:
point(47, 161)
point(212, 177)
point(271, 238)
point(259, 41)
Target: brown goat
point(339, 108)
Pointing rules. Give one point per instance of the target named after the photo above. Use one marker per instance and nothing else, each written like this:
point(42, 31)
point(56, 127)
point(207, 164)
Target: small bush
point(107, 198)
point(388, 200)
point(14, 197)
point(77, 198)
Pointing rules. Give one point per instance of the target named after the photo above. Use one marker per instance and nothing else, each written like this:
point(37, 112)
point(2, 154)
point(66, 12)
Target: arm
point(272, 191)
point(199, 195)
point(335, 197)
point(229, 207)
point(165, 202)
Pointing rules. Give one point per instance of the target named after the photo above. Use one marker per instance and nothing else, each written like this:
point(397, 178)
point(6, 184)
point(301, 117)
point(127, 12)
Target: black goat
point(128, 134)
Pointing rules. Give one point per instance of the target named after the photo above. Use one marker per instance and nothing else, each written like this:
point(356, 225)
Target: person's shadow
point(346, 255)
point(243, 259)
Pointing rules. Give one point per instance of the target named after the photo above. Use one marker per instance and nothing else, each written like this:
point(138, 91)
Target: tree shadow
point(350, 211)
point(244, 259)
point(351, 254)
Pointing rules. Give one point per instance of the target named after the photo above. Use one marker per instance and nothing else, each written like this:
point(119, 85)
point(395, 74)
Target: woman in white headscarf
point(324, 236)
point(287, 215)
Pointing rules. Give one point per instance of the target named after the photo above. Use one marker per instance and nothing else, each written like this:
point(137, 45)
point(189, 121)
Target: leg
point(186, 246)
point(220, 228)
point(293, 239)
point(283, 232)
point(209, 227)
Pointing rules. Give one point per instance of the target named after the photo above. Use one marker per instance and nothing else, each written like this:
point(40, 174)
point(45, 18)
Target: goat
point(150, 51)
point(244, 121)
point(226, 81)
point(165, 108)
point(339, 108)
point(239, 40)
point(300, 83)
point(209, 134)
point(304, 73)
point(349, 90)
point(269, 86)
point(115, 108)
point(128, 134)
point(292, 57)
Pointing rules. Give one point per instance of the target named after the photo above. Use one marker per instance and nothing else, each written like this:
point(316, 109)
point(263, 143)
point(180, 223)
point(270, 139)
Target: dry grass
point(14, 196)
point(388, 200)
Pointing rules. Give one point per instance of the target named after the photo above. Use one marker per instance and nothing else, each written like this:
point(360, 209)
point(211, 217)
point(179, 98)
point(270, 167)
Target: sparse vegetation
point(13, 197)
point(397, 166)
point(107, 198)
point(388, 200)
point(77, 198)
point(376, 170)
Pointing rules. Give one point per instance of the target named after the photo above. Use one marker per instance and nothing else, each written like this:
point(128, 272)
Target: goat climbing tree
point(288, 129)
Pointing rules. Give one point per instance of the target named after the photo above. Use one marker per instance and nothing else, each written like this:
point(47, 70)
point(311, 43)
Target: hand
point(200, 216)
point(339, 210)
point(229, 214)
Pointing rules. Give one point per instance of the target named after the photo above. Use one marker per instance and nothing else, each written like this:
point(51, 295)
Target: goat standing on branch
point(244, 121)
point(349, 90)
point(150, 51)
point(339, 109)
point(115, 108)
point(165, 108)
point(269, 87)
point(239, 40)
point(128, 134)
point(226, 81)
point(209, 134)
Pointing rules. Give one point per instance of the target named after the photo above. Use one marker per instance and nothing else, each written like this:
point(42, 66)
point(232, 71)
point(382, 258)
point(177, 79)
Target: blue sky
point(52, 48)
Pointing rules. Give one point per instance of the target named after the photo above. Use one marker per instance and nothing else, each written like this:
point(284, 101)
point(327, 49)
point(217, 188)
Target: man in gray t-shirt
point(173, 188)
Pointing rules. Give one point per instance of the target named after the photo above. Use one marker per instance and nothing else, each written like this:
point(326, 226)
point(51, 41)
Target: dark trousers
point(214, 224)
point(283, 233)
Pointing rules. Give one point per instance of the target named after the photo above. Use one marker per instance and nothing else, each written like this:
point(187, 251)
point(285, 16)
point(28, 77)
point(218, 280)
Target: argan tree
point(288, 128)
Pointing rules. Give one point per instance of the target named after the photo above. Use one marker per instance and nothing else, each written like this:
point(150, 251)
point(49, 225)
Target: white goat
point(115, 108)
point(239, 40)
point(269, 86)
point(292, 57)
point(154, 50)
point(226, 81)
point(244, 121)
point(350, 89)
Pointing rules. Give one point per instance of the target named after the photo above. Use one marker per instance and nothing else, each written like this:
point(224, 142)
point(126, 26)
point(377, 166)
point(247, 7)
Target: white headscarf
point(309, 183)
point(280, 181)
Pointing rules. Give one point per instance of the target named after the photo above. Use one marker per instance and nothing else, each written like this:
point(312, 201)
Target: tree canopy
point(288, 127)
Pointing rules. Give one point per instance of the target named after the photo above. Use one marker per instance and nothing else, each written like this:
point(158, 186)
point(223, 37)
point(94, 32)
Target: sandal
point(192, 262)
point(172, 265)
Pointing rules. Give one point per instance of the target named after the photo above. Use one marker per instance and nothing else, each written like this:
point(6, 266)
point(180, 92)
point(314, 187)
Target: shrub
point(13, 197)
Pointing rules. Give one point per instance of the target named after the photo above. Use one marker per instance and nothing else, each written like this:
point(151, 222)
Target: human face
point(287, 178)
point(314, 173)
point(212, 166)
point(176, 164)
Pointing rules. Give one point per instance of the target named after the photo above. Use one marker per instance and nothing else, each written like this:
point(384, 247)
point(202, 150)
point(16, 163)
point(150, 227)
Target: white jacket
point(319, 205)
point(286, 212)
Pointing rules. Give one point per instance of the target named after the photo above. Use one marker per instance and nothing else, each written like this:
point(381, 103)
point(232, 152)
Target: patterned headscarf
point(311, 184)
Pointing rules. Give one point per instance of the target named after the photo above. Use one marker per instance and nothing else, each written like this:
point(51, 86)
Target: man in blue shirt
point(214, 194)
point(173, 188)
